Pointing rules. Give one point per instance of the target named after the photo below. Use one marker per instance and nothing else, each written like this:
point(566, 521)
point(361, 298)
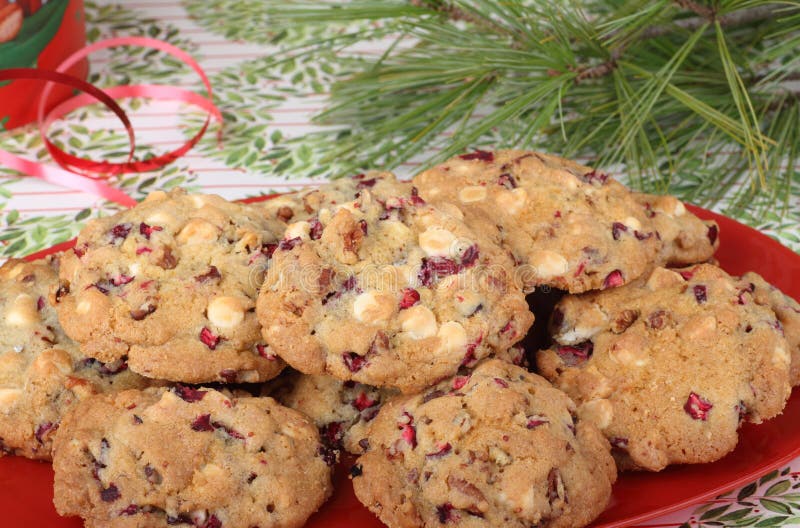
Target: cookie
point(500, 447)
point(42, 373)
point(684, 238)
point(389, 291)
point(341, 410)
point(303, 205)
point(669, 368)
point(568, 226)
point(188, 456)
point(172, 284)
point(786, 309)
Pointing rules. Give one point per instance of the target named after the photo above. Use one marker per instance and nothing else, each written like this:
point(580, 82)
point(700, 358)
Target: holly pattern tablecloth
point(268, 145)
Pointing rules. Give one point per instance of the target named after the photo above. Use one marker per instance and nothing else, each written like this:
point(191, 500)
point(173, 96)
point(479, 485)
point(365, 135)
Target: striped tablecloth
point(265, 149)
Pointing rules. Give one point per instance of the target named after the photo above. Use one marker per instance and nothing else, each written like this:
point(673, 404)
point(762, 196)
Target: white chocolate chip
point(160, 218)
point(663, 278)
point(83, 307)
point(629, 350)
point(24, 312)
point(781, 356)
point(473, 193)
point(15, 271)
point(198, 231)
point(499, 457)
point(156, 196)
point(450, 210)
point(512, 202)
point(599, 412)
point(299, 230)
point(419, 322)
point(8, 397)
point(225, 312)
point(452, 337)
point(198, 200)
point(437, 242)
point(549, 264)
point(372, 307)
point(579, 334)
point(633, 223)
point(467, 302)
point(680, 209)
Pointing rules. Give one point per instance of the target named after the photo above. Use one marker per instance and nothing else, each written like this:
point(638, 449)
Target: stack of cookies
point(204, 363)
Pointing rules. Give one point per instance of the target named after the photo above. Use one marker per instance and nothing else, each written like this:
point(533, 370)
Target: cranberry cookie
point(568, 226)
point(42, 373)
point(684, 238)
point(341, 410)
point(787, 309)
point(188, 456)
point(669, 368)
point(387, 290)
point(499, 447)
point(172, 284)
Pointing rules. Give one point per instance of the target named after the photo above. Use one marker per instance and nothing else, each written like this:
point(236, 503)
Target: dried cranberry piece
point(364, 227)
point(470, 256)
point(507, 181)
point(642, 236)
point(697, 407)
point(147, 230)
point(366, 184)
point(137, 420)
point(416, 199)
point(433, 268)
point(43, 430)
point(480, 155)
point(211, 274)
point(143, 249)
point(286, 245)
point(349, 283)
point(233, 433)
point(407, 430)
point(501, 382)
point(442, 450)
point(269, 249)
point(363, 401)
point(209, 338)
point(741, 296)
point(333, 433)
point(445, 513)
point(121, 280)
point(657, 319)
point(80, 251)
point(460, 381)
point(536, 420)
point(353, 361)
point(613, 280)
point(40, 304)
point(594, 177)
point(229, 375)
point(315, 232)
point(102, 286)
point(189, 394)
point(686, 274)
point(110, 494)
point(202, 423)
point(700, 293)
point(617, 228)
point(575, 355)
point(63, 289)
point(469, 357)
point(410, 298)
point(120, 231)
point(213, 522)
point(712, 234)
point(132, 509)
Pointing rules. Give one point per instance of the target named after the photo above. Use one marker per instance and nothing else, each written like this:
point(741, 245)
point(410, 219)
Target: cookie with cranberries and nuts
point(497, 447)
point(42, 373)
point(172, 284)
point(188, 456)
point(670, 367)
point(305, 204)
point(389, 291)
point(786, 308)
point(341, 410)
point(685, 239)
point(568, 226)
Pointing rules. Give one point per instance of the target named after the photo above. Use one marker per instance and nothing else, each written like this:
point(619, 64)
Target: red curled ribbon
point(86, 175)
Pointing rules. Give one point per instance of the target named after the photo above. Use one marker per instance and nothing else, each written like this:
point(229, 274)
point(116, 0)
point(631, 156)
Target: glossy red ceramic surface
point(26, 486)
